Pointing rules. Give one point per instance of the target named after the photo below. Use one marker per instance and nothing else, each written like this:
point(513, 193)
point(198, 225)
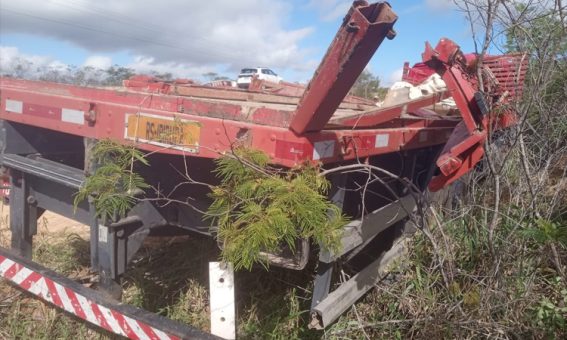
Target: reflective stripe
point(23, 274)
point(73, 116)
point(14, 106)
point(323, 149)
point(5, 265)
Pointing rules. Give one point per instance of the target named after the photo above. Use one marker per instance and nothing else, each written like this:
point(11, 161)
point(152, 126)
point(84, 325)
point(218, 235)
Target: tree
point(367, 86)
point(116, 74)
point(211, 76)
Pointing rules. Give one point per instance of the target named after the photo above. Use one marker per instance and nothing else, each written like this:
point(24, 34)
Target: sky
point(192, 37)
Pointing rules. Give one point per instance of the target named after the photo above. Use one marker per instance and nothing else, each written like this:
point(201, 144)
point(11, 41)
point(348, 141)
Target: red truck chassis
point(48, 130)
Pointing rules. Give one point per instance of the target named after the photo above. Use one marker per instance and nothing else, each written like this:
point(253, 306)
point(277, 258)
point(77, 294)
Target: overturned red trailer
point(48, 130)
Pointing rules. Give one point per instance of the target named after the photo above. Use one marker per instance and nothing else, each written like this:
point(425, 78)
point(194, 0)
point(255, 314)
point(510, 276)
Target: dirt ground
point(49, 222)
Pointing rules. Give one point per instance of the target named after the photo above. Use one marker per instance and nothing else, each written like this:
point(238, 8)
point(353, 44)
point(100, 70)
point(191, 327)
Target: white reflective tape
point(64, 298)
point(382, 141)
point(14, 106)
point(4, 266)
point(38, 286)
point(323, 149)
point(73, 116)
point(40, 289)
point(111, 321)
point(102, 233)
point(221, 286)
point(87, 309)
point(23, 274)
point(136, 328)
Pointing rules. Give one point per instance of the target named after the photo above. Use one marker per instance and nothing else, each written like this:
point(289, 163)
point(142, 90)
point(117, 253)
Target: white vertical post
point(221, 283)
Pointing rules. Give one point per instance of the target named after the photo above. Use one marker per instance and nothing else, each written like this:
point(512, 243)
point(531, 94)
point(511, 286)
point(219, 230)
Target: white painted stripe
point(73, 116)
point(161, 335)
point(64, 298)
point(86, 306)
point(381, 141)
point(23, 274)
point(4, 266)
point(40, 289)
point(37, 287)
point(111, 321)
point(323, 149)
point(14, 106)
point(136, 328)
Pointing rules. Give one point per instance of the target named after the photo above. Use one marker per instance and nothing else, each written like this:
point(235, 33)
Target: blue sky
point(289, 36)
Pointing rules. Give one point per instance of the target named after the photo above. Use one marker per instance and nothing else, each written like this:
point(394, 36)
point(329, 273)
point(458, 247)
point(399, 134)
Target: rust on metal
point(363, 30)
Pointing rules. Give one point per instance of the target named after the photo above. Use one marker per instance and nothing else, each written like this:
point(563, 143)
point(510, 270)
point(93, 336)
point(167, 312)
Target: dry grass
point(170, 277)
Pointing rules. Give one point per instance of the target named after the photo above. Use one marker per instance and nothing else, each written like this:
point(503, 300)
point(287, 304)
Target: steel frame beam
point(361, 33)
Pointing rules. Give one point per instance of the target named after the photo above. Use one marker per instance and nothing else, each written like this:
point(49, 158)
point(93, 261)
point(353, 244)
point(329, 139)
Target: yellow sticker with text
point(168, 132)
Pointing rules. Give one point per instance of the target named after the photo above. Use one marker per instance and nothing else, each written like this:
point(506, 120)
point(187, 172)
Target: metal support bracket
point(23, 215)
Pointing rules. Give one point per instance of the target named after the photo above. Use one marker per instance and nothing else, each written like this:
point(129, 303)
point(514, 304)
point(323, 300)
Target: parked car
point(246, 74)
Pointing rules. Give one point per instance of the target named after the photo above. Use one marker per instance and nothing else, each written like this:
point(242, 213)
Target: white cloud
point(13, 62)
point(330, 10)
point(189, 34)
point(394, 77)
point(144, 65)
point(98, 61)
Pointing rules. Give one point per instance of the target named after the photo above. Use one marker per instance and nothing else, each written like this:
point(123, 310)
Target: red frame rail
point(216, 127)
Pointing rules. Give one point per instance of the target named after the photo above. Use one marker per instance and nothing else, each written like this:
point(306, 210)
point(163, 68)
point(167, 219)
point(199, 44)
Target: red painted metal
point(363, 30)
point(503, 78)
point(219, 124)
point(260, 91)
point(372, 118)
point(222, 124)
point(296, 90)
point(416, 74)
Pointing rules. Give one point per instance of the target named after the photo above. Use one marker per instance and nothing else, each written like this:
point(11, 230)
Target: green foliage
point(551, 314)
point(368, 86)
point(114, 183)
point(543, 231)
point(541, 27)
point(259, 209)
point(283, 322)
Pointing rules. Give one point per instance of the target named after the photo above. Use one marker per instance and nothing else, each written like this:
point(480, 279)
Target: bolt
point(31, 200)
point(391, 34)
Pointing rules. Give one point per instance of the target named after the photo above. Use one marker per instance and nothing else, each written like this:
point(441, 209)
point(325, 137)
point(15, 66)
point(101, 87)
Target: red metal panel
point(378, 116)
point(42, 111)
point(363, 30)
point(503, 78)
point(469, 159)
point(216, 135)
point(416, 74)
point(293, 151)
point(296, 90)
